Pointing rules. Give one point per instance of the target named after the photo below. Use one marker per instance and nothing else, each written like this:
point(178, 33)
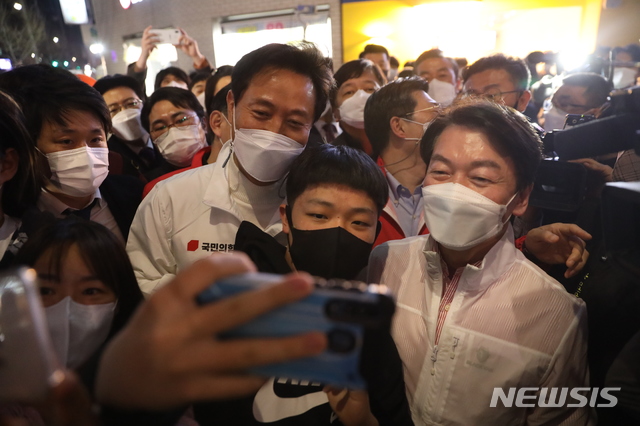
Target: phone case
point(341, 309)
point(167, 35)
point(27, 359)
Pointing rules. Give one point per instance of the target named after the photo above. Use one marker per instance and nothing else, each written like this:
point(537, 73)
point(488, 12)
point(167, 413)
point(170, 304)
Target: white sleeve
point(568, 369)
point(149, 243)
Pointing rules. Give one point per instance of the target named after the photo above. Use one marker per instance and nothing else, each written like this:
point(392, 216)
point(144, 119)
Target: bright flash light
point(73, 59)
point(17, 6)
point(87, 70)
point(66, 63)
point(96, 48)
point(572, 59)
point(56, 39)
point(33, 55)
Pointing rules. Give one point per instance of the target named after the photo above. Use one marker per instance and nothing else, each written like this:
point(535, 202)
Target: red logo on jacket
point(193, 245)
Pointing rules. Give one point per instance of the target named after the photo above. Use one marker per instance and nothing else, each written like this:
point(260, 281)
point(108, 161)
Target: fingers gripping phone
point(342, 315)
point(167, 35)
point(27, 359)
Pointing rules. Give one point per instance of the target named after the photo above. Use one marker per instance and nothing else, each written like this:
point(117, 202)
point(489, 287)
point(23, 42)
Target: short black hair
point(197, 77)
point(515, 67)
point(508, 131)
point(304, 59)
point(337, 165)
point(110, 82)
point(374, 48)
point(393, 100)
point(223, 71)
point(21, 191)
point(48, 94)
point(354, 69)
point(219, 101)
point(177, 96)
point(436, 53)
point(393, 62)
point(597, 87)
point(174, 71)
point(102, 252)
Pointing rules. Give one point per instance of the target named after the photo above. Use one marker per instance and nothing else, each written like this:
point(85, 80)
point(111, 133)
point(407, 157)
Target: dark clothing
point(380, 366)
point(149, 165)
point(123, 195)
point(30, 222)
point(346, 139)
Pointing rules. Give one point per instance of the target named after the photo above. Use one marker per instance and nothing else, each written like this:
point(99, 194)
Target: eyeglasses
point(132, 104)
point(493, 94)
point(182, 121)
point(436, 107)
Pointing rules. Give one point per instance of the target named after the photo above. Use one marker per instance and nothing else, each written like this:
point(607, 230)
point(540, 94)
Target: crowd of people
point(419, 179)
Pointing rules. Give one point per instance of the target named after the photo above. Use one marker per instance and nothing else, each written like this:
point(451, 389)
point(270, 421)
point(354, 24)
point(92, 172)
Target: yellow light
point(378, 30)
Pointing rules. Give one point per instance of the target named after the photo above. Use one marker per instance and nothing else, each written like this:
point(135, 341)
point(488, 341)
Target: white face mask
point(442, 92)
point(180, 144)
point(554, 118)
point(177, 84)
point(624, 77)
point(79, 172)
point(459, 218)
point(352, 109)
point(127, 126)
point(201, 100)
point(77, 330)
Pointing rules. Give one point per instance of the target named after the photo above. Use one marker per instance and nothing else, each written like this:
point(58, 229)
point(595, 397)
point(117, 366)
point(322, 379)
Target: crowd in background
point(418, 178)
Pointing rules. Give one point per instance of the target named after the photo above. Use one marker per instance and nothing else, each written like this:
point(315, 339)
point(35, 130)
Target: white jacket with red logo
point(183, 219)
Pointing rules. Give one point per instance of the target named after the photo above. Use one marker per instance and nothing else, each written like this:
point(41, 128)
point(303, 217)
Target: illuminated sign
point(74, 12)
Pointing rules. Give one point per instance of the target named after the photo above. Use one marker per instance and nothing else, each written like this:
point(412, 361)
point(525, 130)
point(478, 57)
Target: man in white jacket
point(476, 321)
point(277, 93)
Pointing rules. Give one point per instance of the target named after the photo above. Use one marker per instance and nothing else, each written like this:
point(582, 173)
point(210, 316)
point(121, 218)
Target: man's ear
point(396, 124)
point(284, 219)
point(523, 101)
point(215, 120)
point(522, 201)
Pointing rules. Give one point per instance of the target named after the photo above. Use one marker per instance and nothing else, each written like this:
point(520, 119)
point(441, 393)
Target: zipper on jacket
point(453, 348)
point(434, 358)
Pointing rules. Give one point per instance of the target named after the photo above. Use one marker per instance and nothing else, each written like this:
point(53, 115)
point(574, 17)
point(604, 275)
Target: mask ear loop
point(224, 165)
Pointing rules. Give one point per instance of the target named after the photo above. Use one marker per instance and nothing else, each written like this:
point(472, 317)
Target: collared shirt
point(100, 212)
point(508, 325)
point(408, 206)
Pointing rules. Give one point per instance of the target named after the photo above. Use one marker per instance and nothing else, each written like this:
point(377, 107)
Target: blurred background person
point(379, 55)
point(441, 73)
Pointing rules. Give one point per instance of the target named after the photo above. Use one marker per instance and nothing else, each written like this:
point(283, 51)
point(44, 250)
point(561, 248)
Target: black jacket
point(123, 194)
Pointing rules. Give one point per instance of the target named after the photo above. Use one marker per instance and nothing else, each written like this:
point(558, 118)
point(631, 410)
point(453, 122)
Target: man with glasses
point(395, 119)
point(124, 99)
point(501, 78)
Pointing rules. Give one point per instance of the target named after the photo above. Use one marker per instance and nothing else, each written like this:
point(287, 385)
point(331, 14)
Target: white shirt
point(8, 228)
point(100, 212)
point(186, 218)
point(509, 325)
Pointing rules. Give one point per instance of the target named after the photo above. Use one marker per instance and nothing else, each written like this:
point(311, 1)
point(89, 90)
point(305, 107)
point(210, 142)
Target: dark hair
point(223, 71)
point(405, 73)
point(632, 50)
point(48, 94)
point(174, 71)
point(508, 131)
point(110, 82)
point(21, 191)
point(102, 252)
point(436, 53)
point(374, 48)
point(393, 100)
point(597, 87)
point(515, 67)
point(338, 165)
point(177, 96)
point(197, 77)
point(218, 103)
point(304, 59)
point(354, 69)
point(393, 62)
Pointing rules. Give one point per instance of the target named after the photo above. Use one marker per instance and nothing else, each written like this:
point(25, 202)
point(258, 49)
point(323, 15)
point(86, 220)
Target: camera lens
point(341, 341)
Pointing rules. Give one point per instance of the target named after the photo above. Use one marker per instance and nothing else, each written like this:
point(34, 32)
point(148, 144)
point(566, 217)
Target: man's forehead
point(489, 79)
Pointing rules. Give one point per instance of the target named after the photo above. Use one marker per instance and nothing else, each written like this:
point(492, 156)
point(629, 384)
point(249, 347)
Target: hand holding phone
point(167, 35)
point(340, 309)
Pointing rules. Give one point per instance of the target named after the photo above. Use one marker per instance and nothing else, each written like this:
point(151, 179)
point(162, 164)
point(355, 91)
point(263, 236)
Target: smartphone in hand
point(341, 309)
point(167, 35)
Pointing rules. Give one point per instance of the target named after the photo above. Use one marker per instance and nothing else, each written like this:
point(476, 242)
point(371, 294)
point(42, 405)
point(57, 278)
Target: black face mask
point(328, 253)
